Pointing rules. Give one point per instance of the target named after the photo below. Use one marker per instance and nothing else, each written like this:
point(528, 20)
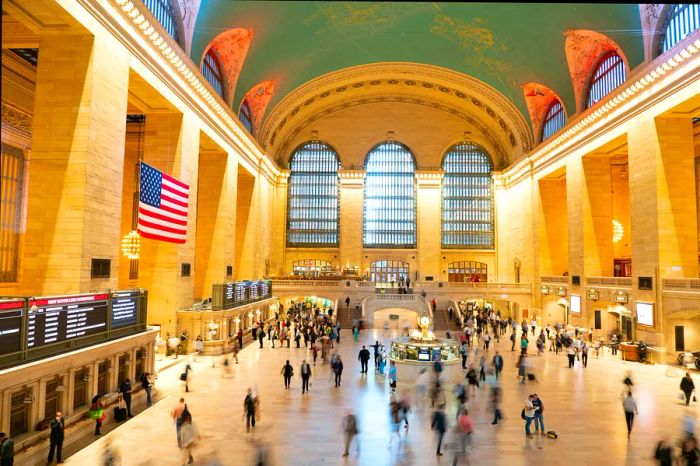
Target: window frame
point(465, 265)
point(389, 193)
point(316, 172)
point(245, 116)
point(467, 196)
point(676, 10)
point(553, 117)
point(165, 10)
point(608, 75)
point(212, 70)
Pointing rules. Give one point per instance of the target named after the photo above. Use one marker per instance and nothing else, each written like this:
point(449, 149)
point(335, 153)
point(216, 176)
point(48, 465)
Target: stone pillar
point(171, 144)
point(216, 220)
point(279, 225)
point(77, 161)
point(351, 211)
point(70, 389)
point(428, 222)
point(553, 228)
point(662, 196)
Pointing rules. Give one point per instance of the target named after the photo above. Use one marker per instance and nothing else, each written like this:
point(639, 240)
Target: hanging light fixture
point(618, 231)
point(131, 245)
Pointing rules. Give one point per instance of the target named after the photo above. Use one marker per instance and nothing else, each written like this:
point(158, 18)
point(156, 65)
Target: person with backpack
point(188, 435)
point(472, 377)
point(176, 414)
point(287, 372)
point(528, 413)
point(439, 424)
point(350, 430)
point(539, 419)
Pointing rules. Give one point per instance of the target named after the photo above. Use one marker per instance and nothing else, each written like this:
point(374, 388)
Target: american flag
point(163, 202)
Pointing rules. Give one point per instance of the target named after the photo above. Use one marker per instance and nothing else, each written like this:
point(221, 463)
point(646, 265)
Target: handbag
point(183, 376)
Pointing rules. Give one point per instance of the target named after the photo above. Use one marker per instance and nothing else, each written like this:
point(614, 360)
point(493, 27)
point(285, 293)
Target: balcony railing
point(617, 282)
point(554, 279)
point(681, 284)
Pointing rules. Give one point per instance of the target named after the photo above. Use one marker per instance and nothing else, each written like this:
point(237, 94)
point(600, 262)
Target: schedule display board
point(124, 307)
point(62, 318)
point(231, 294)
point(229, 290)
point(11, 312)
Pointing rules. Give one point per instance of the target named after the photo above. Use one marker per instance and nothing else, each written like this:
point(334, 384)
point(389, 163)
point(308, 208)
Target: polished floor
point(582, 404)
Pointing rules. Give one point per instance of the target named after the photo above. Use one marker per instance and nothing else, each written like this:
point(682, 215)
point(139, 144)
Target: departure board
point(11, 325)
point(242, 291)
point(229, 294)
point(62, 318)
point(124, 306)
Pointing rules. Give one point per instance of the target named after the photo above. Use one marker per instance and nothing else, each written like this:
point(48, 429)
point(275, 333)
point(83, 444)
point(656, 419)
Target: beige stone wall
point(553, 227)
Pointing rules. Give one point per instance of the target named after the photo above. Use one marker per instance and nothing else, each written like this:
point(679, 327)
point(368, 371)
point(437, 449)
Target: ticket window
point(52, 401)
point(102, 377)
point(19, 412)
point(123, 368)
point(80, 387)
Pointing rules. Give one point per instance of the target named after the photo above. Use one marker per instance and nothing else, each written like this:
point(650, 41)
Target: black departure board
point(124, 306)
point(229, 294)
point(11, 312)
point(242, 291)
point(63, 318)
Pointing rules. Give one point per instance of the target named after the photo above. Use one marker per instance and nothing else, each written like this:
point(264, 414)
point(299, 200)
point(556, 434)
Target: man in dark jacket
point(146, 385)
point(57, 427)
point(687, 387)
point(125, 390)
point(439, 424)
point(376, 348)
point(364, 359)
point(305, 376)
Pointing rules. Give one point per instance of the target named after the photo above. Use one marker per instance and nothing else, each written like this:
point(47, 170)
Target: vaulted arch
point(231, 47)
point(540, 99)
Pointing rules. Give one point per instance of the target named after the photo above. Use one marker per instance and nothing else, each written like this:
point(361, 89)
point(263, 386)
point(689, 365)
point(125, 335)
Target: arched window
point(164, 12)
point(390, 197)
point(554, 120)
point(246, 117)
point(609, 74)
point(312, 199)
point(681, 20)
point(388, 271)
point(212, 71)
point(311, 268)
point(467, 206)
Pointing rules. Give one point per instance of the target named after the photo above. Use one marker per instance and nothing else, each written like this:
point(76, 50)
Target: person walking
point(287, 372)
point(663, 453)
point(687, 387)
point(185, 377)
point(630, 407)
point(584, 354)
point(261, 336)
point(249, 410)
point(239, 337)
point(314, 352)
point(496, 403)
point(305, 376)
point(350, 430)
point(465, 427)
point(376, 348)
point(177, 415)
point(463, 350)
point(523, 343)
point(497, 363)
point(188, 436)
point(356, 334)
point(7, 450)
point(439, 425)
point(529, 412)
point(58, 427)
point(338, 370)
point(487, 340)
point(392, 376)
point(522, 366)
point(125, 390)
point(571, 354)
point(146, 385)
point(363, 357)
point(539, 418)
point(97, 413)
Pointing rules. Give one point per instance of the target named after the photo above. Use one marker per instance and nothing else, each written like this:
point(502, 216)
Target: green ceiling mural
point(502, 44)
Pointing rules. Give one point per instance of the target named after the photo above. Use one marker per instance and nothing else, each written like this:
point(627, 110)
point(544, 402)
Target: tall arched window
point(164, 12)
point(609, 74)
point(212, 71)
point(554, 120)
point(246, 116)
point(312, 199)
point(681, 20)
point(390, 197)
point(467, 206)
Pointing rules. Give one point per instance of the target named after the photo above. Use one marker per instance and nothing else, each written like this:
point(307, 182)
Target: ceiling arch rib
point(189, 9)
point(583, 50)
point(232, 48)
point(258, 98)
point(539, 98)
point(462, 95)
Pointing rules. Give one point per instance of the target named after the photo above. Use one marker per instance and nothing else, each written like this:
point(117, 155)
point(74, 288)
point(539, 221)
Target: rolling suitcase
point(120, 412)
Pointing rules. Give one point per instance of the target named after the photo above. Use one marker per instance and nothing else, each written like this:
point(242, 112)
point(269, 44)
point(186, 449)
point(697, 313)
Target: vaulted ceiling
point(503, 45)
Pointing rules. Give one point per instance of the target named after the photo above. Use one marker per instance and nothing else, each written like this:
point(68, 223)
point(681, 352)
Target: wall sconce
point(237, 320)
point(593, 295)
point(61, 388)
point(561, 291)
point(544, 289)
point(620, 297)
point(250, 314)
point(29, 399)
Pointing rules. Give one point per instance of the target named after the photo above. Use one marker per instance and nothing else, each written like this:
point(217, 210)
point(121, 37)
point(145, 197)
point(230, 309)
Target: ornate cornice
point(16, 119)
point(453, 89)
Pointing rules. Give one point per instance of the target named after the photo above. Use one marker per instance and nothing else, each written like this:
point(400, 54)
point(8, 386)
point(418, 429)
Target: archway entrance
point(397, 318)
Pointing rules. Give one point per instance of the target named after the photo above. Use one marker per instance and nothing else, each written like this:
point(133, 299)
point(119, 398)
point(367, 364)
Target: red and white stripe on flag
point(163, 205)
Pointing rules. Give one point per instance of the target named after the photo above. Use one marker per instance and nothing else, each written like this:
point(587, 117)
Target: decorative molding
point(415, 79)
point(15, 118)
point(538, 99)
point(429, 178)
point(653, 17)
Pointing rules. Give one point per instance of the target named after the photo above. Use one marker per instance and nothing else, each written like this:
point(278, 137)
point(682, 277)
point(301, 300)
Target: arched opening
point(609, 74)
point(388, 271)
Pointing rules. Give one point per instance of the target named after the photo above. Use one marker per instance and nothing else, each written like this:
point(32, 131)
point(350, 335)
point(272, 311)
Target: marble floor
point(582, 404)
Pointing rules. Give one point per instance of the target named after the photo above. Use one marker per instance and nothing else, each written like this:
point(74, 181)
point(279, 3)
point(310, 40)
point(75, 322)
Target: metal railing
point(618, 282)
point(400, 298)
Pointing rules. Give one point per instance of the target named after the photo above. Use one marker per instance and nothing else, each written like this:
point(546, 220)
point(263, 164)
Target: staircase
point(441, 321)
point(346, 316)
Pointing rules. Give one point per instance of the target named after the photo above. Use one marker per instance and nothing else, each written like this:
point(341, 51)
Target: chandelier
point(131, 245)
point(618, 231)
